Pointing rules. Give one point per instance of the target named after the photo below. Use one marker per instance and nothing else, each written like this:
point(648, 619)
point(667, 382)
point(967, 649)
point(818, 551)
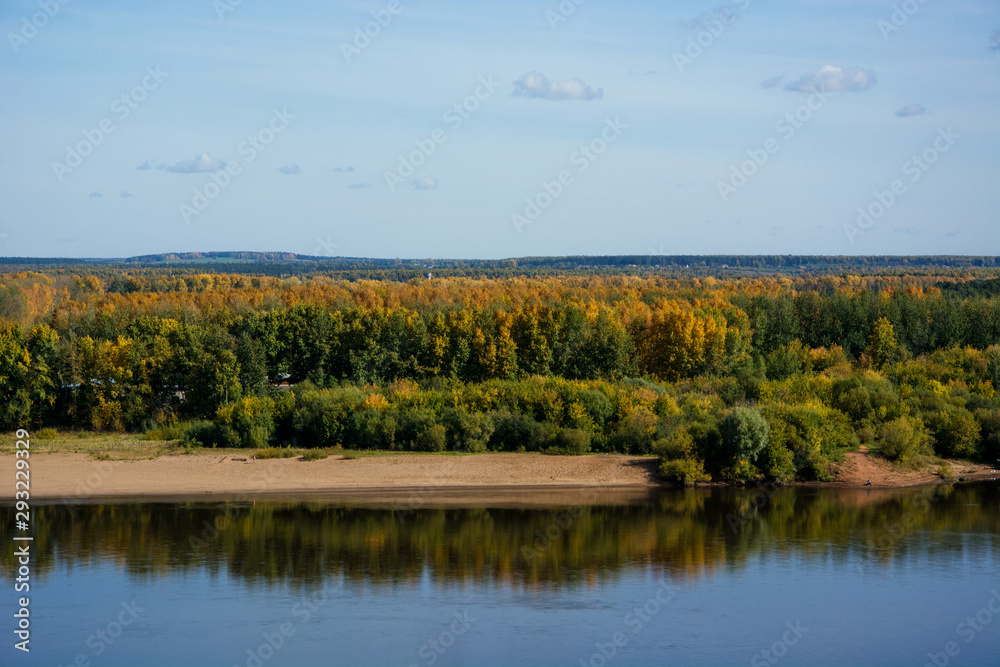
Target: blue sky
point(592, 128)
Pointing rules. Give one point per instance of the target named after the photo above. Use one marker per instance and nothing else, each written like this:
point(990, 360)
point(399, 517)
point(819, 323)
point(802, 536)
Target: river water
point(793, 576)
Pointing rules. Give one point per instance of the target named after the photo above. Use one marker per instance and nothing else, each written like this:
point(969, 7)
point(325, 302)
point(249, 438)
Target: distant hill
point(357, 268)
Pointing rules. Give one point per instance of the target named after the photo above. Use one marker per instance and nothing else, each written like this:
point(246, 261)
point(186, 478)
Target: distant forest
point(732, 368)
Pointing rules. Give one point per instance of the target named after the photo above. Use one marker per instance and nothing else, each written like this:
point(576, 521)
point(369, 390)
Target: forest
point(743, 378)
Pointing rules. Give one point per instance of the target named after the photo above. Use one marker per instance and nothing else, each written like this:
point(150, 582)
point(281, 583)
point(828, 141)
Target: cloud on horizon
point(773, 82)
point(536, 85)
point(344, 170)
point(145, 166)
point(911, 110)
point(359, 186)
point(126, 195)
point(832, 79)
point(291, 170)
point(202, 164)
point(995, 41)
point(95, 194)
point(425, 183)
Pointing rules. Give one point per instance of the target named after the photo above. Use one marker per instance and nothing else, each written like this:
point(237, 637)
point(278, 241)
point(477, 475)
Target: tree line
point(730, 379)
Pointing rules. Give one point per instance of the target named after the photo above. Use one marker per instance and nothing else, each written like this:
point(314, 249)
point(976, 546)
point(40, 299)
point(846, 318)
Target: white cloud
point(200, 165)
point(773, 82)
point(145, 166)
point(995, 41)
point(126, 195)
point(360, 186)
point(344, 170)
point(536, 85)
point(911, 110)
point(293, 170)
point(830, 79)
point(95, 194)
point(425, 183)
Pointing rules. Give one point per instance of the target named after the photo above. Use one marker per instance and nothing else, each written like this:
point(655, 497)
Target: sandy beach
point(62, 475)
point(79, 476)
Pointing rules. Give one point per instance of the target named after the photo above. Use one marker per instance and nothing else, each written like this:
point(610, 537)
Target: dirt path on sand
point(862, 466)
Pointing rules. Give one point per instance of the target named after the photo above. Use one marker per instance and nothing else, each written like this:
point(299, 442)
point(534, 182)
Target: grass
point(101, 446)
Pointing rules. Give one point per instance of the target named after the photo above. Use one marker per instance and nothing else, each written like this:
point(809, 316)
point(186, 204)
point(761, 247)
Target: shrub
point(956, 434)
point(46, 434)
point(250, 420)
point(685, 471)
point(275, 453)
point(572, 441)
point(777, 462)
point(431, 440)
point(316, 454)
point(468, 431)
point(204, 432)
point(744, 435)
point(903, 439)
point(636, 431)
point(511, 431)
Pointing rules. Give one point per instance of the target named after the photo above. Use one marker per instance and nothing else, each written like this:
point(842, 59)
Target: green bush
point(573, 441)
point(46, 434)
point(431, 440)
point(956, 434)
point(276, 453)
point(744, 435)
point(903, 439)
point(684, 471)
point(249, 419)
point(316, 454)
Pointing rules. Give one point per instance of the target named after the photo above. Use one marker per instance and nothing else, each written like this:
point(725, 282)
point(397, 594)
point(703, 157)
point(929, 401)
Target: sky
point(448, 129)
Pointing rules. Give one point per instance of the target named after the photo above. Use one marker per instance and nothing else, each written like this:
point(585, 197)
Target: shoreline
point(412, 478)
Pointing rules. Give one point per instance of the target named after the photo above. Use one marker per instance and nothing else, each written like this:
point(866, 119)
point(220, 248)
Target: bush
point(46, 434)
point(572, 441)
point(744, 435)
point(956, 434)
point(468, 431)
point(204, 432)
point(431, 440)
point(903, 439)
point(684, 471)
point(635, 433)
point(318, 420)
point(316, 454)
point(250, 420)
point(276, 453)
point(511, 431)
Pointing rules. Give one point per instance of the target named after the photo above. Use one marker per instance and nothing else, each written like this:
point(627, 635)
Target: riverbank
point(62, 475)
point(76, 475)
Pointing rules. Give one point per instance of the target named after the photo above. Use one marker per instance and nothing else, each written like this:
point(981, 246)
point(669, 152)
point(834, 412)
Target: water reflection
point(513, 540)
